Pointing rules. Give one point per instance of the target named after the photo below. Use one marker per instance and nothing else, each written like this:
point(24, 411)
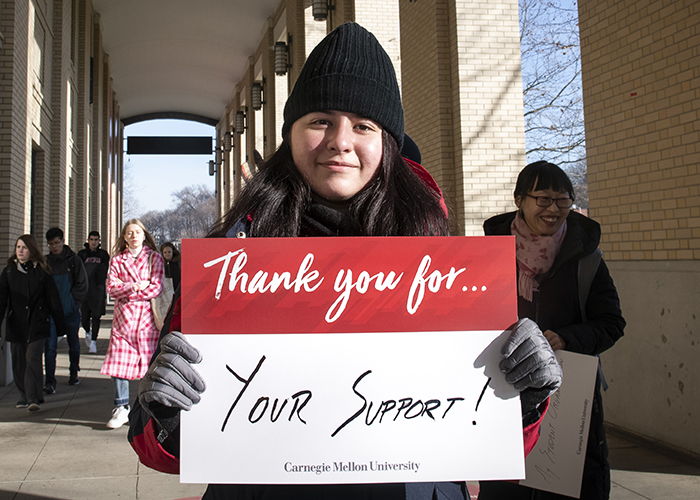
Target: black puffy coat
point(557, 307)
point(96, 266)
point(30, 299)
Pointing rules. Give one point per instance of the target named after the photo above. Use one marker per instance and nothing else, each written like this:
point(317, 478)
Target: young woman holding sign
point(338, 172)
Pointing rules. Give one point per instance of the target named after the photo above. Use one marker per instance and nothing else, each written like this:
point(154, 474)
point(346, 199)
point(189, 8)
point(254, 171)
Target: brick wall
point(46, 55)
point(13, 67)
point(427, 91)
point(463, 101)
point(641, 82)
point(382, 19)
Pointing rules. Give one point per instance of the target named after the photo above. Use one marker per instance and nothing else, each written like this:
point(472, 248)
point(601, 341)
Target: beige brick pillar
point(15, 164)
point(462, 94)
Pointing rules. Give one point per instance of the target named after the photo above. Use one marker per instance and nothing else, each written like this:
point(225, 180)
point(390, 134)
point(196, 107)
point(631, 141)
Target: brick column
point(462, 93)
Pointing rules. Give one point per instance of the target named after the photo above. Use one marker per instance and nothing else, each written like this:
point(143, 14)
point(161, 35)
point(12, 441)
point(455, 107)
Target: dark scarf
point(319, 220)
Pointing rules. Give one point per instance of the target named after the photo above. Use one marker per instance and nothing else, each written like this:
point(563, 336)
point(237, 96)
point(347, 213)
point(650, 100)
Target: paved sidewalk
point(65, 451)
point(641, 473)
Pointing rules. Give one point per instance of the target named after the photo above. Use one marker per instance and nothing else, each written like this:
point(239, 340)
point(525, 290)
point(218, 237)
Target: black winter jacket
point(96, 266)
point(71, 279)
point(556, 306)
point(30, 298)
point(172, 270)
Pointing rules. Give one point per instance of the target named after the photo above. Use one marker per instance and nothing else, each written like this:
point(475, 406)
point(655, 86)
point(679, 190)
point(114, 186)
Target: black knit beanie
point(348, 71)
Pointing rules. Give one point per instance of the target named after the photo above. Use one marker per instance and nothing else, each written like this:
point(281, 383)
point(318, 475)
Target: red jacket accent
point(531, 433)
point(152, 454)
point(428, 180)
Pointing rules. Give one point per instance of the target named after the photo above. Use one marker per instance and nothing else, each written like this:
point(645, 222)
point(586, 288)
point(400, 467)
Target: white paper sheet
point(322, 435)
point(556, 462)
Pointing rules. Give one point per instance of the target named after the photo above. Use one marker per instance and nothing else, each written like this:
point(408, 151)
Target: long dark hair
point(35, 254)
point(396, 202)
point(176, 252)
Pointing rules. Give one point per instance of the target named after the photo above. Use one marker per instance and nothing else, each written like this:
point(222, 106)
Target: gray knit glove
point(171, 380)
point(530, 365)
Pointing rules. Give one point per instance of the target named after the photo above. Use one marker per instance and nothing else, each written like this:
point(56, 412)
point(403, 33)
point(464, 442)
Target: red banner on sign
point(341, 285)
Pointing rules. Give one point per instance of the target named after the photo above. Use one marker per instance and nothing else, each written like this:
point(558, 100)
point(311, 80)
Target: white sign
point(352, 408)
point(556, 462)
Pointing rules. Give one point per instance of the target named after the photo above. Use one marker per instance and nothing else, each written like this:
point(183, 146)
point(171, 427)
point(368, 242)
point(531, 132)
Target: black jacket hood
point(67, 253)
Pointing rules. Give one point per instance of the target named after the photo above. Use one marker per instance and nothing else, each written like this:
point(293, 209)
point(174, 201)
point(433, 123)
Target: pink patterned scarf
point(535, 254)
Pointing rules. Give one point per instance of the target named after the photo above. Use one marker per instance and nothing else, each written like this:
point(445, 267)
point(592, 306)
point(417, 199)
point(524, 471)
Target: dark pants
point(91, 319)
point(72, 327)
point(27, 370)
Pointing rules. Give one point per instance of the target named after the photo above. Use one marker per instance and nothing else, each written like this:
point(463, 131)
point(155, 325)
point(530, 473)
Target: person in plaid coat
point(135, 277)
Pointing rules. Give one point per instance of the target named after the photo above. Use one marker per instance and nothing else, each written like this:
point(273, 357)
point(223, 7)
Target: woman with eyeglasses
point(565, 287)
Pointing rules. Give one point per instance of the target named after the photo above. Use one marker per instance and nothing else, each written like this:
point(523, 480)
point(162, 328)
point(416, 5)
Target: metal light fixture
point(218, 156)
point(240, 122)
point(319, 8)
point(228, 136)
point(256, 96)
point(281, 64)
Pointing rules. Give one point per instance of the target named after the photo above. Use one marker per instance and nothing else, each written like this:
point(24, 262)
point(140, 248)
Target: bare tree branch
point(552, 93)
point(193, 215)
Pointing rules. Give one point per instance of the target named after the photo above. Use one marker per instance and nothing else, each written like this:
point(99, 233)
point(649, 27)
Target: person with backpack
point(565, 287)
point(96, 261)
point(72, 282)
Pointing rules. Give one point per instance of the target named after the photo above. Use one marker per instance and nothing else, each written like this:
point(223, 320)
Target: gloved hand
point(530, 365)
point(171, 380)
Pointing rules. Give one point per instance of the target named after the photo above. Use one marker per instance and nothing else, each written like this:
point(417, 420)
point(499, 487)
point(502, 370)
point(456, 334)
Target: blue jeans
point(121, 391)
point(72, 327)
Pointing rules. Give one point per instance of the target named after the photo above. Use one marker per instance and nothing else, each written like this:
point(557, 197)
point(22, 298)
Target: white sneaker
point(120, 416)
point(93, 347)
point(88, 338)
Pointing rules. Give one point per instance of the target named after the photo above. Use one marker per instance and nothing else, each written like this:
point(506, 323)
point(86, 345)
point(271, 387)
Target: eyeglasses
point(546, 201)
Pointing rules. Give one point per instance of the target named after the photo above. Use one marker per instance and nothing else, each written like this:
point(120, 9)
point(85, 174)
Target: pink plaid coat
point(134, 335)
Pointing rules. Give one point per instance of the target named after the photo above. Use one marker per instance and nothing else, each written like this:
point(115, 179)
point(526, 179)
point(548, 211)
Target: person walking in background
point(96, 261)
point(172, 262)
point(554, 247)
point(29, 295)
point(135, 277)
point(71, 280)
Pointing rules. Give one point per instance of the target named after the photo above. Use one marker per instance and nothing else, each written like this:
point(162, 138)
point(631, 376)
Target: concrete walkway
point(66, 452)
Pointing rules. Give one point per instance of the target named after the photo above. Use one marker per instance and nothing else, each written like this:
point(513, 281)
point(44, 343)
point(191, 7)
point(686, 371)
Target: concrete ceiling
point(179, 57)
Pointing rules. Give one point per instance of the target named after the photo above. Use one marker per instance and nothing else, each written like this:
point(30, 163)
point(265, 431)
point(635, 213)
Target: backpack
point(587, 268)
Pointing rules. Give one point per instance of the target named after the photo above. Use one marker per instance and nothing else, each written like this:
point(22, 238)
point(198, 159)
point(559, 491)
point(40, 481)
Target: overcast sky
point(156, 177)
